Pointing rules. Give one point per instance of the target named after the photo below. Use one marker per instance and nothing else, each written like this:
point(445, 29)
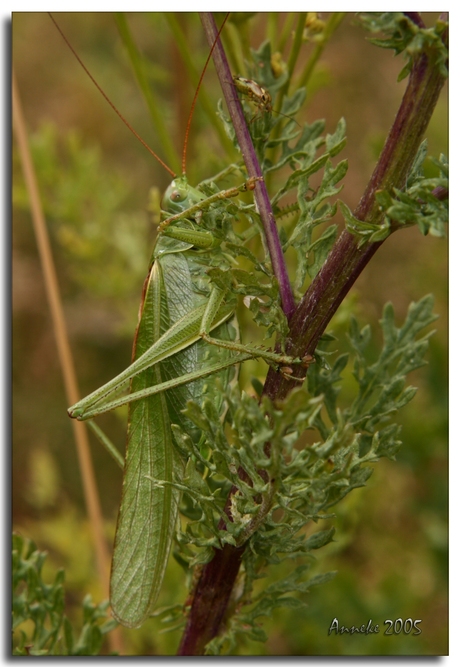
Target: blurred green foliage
point(390, 544)
point(40, 626)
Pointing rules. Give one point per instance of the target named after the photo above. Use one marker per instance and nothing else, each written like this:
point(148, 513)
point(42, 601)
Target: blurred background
point(390, 547)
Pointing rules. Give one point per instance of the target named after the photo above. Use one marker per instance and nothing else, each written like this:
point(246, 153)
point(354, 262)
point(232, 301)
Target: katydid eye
point(177, 196)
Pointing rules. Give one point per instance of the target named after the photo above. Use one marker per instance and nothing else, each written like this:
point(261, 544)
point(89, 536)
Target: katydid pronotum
point(186, 346)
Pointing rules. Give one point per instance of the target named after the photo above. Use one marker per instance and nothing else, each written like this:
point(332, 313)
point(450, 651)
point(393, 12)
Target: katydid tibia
point(186, 346)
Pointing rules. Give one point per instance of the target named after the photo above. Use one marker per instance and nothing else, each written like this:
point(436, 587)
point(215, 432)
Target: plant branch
point(252, 164)
point(347, 259)
point(293, 56)
point(344, 264)
point(331, 26)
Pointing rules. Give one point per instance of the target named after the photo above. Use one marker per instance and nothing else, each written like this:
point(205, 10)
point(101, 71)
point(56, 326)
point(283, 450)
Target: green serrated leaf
point(42, 607)
point(319, 539)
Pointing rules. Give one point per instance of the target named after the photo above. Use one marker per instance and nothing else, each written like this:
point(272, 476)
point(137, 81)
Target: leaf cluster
point(39, 624)
point(417, 204)
point(295, 154)
point(318, 452)
point(403, 35)
point(289, 463)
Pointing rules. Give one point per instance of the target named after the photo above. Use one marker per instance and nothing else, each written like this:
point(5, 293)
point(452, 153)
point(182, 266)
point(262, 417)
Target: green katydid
point(175, 359)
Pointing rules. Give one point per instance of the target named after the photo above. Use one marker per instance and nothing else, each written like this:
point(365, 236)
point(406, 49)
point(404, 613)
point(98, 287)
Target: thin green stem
point(280, 42)
point(293, 56)
point(331, 26)
point(204, 98)
point(155, 109)
point(234, 48)
point(272, 27)
point(106, 443)
point(292, 60)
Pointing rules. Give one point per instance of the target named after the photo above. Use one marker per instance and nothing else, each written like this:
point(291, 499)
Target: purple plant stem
point(346, 260)
point(252, 164)
point(344, 264)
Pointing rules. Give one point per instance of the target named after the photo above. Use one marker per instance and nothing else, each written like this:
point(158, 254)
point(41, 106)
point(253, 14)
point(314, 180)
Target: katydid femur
point(186, 339)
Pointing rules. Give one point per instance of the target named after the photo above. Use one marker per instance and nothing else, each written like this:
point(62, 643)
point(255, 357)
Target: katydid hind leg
point(148, 513)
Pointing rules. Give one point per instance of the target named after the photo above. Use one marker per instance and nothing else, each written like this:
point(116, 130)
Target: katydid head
point(180, 196)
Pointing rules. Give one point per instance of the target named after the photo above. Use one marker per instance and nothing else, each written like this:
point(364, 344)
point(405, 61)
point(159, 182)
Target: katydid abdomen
point(148, 513)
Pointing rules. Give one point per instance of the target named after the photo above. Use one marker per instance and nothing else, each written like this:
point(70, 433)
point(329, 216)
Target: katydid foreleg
point(195, 322)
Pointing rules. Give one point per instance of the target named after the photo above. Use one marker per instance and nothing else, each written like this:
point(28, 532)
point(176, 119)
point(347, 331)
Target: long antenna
point(128, 125)
point(192, 108)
